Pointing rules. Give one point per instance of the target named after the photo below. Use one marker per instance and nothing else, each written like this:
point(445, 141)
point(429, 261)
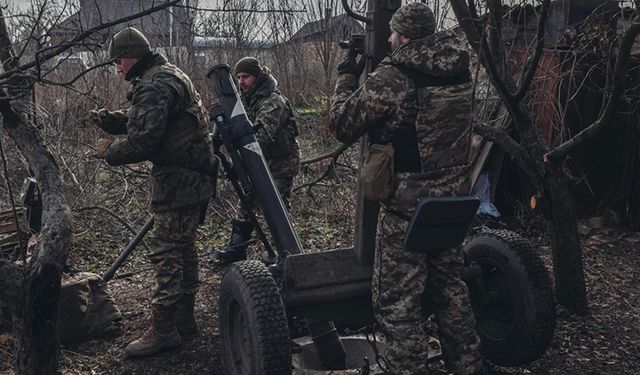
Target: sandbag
point(86, 309)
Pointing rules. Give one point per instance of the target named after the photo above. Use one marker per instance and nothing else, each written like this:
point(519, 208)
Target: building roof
point(228, 42)
point(162, 28)
point(340, 27)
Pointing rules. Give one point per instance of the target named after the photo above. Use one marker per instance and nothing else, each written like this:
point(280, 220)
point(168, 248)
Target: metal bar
point(376, 48)
point(245, 203)
point(127, 251)
point(295, 297)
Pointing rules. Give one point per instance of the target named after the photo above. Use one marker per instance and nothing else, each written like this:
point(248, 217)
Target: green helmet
point(128, 42)
point(414, 20)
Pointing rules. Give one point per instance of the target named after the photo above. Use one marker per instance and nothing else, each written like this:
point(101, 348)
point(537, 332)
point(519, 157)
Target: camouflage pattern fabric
point(173, 255)
point(112, 122)
point(388, 103)
point(387, 106)
point(265, 104)
point(414, 20)
point(167, 125)
point(400, 279)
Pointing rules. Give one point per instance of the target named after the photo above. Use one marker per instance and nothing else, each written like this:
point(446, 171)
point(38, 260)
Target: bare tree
point(542, 166)
point(32, 290)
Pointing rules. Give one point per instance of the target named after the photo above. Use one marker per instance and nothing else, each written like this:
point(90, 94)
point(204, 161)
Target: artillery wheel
point(253, 323)
point(515, 311)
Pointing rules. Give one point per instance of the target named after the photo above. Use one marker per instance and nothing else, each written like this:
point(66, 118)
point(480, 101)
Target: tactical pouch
point(440, 223)
point(376, 174)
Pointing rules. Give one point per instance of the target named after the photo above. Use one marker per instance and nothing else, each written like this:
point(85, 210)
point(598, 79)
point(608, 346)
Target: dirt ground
point(605, 342)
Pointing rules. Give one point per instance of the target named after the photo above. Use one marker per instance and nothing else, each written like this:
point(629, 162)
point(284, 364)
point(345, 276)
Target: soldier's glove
point(350, 66)
point(98, 117)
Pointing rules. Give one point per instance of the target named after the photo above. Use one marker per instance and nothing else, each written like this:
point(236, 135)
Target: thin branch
point(334, 158)
point(511, 147)
point(355, 15)
point(243, 10)
point(619, 83)
point(500, 82)
point(467, 22)
point(328, 155)
point(115, 216)
point(110, 213)
point(14, 211)
point(480, 45)
point(534, 60)
point(314, 182)
point(74, 79)
point(495, 32)
point(50, 52)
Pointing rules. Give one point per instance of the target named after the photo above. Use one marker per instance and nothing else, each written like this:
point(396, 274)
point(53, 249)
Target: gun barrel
point(239, 139)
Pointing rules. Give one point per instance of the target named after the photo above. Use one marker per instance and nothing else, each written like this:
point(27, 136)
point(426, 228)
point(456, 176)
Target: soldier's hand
point(350, 66)
point(97, 117)
point(102, 146)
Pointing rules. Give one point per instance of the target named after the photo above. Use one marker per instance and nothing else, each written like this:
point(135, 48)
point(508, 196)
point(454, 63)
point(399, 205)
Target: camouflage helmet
point(414, 20)
point(128, 42)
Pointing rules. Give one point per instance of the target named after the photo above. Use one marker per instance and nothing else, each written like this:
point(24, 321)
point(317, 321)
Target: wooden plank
point(482, 156)
point(7, 216)
point(8, 227)
point(9, 240)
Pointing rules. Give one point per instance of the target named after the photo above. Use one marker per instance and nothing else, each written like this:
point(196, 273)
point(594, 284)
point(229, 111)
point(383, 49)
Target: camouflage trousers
point(173, 255)
point(400, 279)
point(284, 186)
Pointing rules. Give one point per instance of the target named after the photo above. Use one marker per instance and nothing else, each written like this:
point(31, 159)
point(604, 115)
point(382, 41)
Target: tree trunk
point(567, 251)
point(37, 310)
point(548, 178)
point(36, 315)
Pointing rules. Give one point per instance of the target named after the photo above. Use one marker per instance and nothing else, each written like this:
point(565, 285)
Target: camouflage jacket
point(277, 137)
point(419, 100)
point(167, 125)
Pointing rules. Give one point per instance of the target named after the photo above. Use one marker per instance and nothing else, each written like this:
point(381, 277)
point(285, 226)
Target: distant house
point(338, 28)
point(210, 50)
point(166, 28)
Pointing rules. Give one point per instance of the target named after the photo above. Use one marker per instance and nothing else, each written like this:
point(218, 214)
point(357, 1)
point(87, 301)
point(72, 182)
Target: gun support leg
point(328, 345)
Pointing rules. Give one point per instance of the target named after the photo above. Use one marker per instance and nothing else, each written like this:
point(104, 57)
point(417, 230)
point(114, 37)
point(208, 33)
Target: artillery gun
point(263, 306)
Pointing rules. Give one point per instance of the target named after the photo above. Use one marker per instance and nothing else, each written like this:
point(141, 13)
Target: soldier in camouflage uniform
point(419, 101)
point(167, 125)
point(272, 113)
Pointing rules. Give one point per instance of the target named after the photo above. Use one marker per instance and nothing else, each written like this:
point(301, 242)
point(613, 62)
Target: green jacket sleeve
point(146, 126)
point(356, 111)
point(270, 113)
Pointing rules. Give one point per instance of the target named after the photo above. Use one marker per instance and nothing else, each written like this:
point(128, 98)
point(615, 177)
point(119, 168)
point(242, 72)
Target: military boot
point(185, 317)
point(161, 335)
point(236, 248)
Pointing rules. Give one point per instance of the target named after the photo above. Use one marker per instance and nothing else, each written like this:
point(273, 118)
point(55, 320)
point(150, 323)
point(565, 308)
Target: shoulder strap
point(421, 79)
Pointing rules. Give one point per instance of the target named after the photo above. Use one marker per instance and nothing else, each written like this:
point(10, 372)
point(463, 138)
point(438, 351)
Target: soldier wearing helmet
point(167, 125)
point(416, 107)
point(277, 131)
